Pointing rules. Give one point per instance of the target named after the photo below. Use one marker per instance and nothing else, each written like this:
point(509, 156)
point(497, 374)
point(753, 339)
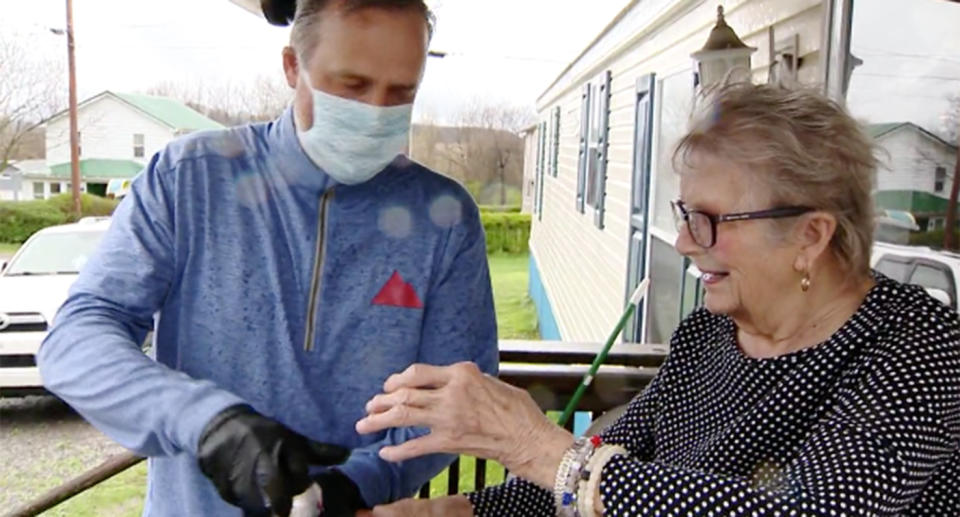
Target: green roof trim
point(913, 201)
point(170, 112)
point(94, 168)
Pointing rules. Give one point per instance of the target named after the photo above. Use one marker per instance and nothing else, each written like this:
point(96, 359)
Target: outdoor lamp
point(722, 55)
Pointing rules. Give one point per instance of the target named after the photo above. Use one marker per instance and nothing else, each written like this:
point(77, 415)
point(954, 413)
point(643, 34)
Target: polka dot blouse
point(866, 423)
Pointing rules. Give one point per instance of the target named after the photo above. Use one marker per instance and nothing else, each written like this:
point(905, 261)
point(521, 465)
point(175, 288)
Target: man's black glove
point(257, 463)
point(341, 497)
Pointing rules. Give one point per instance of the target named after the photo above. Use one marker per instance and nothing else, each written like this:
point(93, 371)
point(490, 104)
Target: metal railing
point(549, 370)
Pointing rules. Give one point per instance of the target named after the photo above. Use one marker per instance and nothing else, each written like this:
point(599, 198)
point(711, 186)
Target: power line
point(890, 53)
point(932, 77)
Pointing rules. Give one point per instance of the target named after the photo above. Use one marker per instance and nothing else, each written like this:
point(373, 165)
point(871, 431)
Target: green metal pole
point(638, 295)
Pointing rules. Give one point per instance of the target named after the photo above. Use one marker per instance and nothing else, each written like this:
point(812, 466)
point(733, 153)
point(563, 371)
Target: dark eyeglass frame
point(680, 212)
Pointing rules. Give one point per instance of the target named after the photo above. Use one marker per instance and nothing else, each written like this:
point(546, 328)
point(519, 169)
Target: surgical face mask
point(352, 141)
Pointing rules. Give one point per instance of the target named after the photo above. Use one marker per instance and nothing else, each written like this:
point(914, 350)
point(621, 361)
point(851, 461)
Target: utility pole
point(74, 136)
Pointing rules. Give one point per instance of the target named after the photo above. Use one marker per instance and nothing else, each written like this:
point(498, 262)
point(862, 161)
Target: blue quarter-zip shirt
point(269, 284)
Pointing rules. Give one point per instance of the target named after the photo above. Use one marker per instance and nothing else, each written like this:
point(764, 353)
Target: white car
point(33, 286)
point(936, 271)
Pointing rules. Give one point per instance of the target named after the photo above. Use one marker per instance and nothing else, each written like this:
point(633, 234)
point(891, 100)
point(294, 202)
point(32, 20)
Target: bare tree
point(30, 91)
point(231, 103)
point(488, 146)
point(952, 130)
point(951, 119)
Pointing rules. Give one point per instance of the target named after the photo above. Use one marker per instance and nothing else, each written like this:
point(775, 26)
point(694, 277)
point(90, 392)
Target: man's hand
point(257, 463)
point(451, 506)
point(468, 412)
point(341, 497)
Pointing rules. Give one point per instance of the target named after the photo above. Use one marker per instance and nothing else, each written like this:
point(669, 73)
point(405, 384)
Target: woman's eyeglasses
point(702, 226)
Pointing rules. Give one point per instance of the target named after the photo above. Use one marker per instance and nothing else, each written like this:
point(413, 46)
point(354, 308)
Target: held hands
point(468, 412)
point(452, 506)
point(257, 463)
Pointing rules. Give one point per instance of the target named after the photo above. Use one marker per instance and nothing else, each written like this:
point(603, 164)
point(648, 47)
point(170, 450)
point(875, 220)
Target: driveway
point(44, 444)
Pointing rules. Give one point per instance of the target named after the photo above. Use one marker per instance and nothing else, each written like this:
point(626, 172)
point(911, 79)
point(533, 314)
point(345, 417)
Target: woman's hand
point(468, 412)
point(452, 506)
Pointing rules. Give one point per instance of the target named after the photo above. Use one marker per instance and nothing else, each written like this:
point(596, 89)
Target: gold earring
point(805, 282)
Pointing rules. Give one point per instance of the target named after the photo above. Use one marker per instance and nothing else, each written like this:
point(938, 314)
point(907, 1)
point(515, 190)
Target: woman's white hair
point(804, 150)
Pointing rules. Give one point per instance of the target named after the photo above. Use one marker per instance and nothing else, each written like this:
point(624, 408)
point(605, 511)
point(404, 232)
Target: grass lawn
point(120, 496)
point(516, 319)
point(516, 316)
point(7, 249)
point(123, 495)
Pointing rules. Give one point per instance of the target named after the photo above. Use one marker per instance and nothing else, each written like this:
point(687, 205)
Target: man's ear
point(291, 66)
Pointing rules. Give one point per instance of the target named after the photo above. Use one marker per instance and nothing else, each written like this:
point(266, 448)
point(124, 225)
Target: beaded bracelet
point(586, 495)
point(569, 474)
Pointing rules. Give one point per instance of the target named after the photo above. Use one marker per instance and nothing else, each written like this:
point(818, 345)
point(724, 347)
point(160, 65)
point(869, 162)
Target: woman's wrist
point(543, 456)
point(457, 506)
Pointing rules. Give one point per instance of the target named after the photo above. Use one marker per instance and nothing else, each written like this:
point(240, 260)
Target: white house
point(603, 176)
point(915, 172)
point(119, 133)
point(16, 179)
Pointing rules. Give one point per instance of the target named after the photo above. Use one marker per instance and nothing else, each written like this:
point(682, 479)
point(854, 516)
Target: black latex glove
point(341, 497)
point(255, 462)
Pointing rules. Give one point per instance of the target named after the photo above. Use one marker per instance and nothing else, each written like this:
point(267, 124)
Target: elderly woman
point(808, 385)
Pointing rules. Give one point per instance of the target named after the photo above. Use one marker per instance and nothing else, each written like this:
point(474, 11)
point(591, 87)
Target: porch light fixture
point(723, 55)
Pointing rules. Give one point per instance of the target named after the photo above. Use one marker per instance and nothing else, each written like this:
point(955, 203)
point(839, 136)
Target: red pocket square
point(397, 293)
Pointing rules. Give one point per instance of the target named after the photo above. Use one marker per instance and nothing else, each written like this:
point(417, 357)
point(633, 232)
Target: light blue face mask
point(352, 141)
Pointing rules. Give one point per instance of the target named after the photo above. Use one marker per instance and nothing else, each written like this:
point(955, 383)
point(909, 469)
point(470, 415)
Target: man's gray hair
point(305, 31)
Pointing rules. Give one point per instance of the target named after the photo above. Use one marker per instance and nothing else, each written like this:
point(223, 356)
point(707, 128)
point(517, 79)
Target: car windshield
point(55, 254)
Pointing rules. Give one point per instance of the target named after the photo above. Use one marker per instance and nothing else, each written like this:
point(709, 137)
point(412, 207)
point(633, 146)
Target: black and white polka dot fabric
point(866, 423)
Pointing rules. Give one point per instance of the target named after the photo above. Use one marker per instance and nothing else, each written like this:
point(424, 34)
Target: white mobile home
point(603, 177)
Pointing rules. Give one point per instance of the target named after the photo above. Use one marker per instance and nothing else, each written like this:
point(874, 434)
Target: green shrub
point(21, 219)
point(506, 209)
point(933, 239)
point(90, 206)
point(506, 232)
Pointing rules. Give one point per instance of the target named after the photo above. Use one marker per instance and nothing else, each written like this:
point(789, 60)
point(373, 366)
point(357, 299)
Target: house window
point(594, 133)
point(593, 148)
point(541, 168)
point(939, 179)
point(138, 147)
point(585, 105)
point(548, 164)
point(666, 291)
point(556, 141)
point(38, 190)
point(674, 104)
point(54, 188)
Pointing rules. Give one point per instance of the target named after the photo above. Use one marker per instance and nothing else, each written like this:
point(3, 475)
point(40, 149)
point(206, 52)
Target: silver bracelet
point(568, 475)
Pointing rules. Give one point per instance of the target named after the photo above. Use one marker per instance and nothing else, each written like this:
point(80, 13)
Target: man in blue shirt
point(287, 269)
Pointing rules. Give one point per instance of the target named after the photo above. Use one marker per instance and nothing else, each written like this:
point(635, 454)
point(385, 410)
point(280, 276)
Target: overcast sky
point(501, 50)
point(911, 54)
